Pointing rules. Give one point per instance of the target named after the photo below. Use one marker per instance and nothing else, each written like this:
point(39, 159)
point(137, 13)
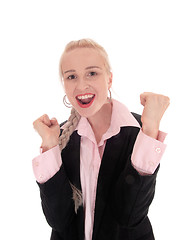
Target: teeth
point(85, 96)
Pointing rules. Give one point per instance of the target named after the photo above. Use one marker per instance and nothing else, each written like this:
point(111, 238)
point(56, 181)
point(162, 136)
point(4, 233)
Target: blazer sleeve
point(56, 200)
point(132, 196)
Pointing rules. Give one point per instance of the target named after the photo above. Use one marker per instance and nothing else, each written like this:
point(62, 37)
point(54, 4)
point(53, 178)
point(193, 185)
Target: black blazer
point(122, 200)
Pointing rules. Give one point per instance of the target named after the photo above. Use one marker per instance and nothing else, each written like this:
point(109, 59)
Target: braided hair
point(68, 128)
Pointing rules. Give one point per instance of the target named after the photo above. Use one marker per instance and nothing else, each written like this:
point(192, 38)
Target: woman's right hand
point(49, 130)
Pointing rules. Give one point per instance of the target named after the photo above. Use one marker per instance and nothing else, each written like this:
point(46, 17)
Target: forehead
point(81, 58)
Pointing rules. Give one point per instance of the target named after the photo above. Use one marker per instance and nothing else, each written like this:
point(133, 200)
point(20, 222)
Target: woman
point(97, 180)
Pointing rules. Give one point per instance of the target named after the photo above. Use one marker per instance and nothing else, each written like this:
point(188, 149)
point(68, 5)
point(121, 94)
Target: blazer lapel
point(71, 161)
point(112, 153)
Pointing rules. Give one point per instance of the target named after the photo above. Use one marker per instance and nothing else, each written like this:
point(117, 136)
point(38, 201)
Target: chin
point(90, 109)
point(86, 113)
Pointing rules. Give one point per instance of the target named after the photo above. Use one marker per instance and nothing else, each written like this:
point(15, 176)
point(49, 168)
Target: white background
point(151, 48)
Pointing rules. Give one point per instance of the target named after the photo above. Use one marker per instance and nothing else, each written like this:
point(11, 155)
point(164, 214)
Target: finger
point(46, 120)
point(143, 99)
point(54, 121)
point(43, 120)
point(167, 100)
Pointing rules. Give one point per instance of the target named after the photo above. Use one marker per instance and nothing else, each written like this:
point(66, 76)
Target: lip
point(85, 105)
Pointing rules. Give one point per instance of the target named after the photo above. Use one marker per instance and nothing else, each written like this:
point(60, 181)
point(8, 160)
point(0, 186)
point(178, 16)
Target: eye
point(92, 74)
point(71, 77)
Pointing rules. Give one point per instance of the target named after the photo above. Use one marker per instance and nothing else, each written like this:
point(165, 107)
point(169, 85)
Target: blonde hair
point(68, 128)
point(85, 43)
point(71, 124)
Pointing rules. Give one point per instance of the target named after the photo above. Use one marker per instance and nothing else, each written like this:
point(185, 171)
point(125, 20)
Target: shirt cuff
point(147, 152)
point(47, 164)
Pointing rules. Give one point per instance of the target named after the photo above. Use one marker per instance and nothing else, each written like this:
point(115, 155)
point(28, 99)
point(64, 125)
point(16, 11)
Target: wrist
point(150, 131)
point(47, 145)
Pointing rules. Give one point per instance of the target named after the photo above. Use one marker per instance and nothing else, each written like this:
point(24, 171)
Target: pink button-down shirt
point(146, 156)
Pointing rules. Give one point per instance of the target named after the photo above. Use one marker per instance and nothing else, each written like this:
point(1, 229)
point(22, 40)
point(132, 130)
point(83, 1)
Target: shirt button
point(41, 176)
point(36, 164)
point(151, 164)
point(158, 150)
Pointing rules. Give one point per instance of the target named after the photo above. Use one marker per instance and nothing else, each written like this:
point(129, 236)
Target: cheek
point(68, 88)
point(103, 92)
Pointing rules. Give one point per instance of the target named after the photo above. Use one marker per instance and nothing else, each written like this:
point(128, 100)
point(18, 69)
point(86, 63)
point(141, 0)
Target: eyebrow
point(68, 71)
point(90, 67)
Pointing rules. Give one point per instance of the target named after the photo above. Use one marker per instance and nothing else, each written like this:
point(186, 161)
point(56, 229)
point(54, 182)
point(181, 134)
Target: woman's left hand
point(155, 106)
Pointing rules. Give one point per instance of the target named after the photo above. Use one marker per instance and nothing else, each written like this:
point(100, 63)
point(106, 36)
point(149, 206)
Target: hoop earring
point(110, 95)
point(68, 105)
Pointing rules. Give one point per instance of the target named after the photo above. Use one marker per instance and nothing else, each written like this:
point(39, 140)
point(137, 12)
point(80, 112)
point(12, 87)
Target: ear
point(110, 80)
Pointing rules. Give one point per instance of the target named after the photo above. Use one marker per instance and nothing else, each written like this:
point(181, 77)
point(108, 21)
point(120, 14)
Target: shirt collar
point(121, 117)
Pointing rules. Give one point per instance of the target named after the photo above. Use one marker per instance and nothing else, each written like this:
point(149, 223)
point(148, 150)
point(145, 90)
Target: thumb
point(143, 99)
point(54, 121)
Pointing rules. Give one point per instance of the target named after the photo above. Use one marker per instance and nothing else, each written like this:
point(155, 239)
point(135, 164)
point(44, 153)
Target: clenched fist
point(154, 107)
point(49, 131)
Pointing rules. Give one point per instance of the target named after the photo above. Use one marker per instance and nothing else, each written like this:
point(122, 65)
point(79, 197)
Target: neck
point(100, 122)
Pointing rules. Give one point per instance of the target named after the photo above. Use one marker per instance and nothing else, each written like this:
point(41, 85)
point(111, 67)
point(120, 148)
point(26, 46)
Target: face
point(86, 80)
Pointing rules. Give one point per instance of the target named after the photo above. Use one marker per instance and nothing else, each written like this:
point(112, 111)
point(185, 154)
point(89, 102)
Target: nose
point(82, 84)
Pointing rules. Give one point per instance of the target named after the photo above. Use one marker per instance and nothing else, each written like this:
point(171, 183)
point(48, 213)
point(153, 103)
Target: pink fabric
point(147, 153)
point(146, 156)
point(47, 164)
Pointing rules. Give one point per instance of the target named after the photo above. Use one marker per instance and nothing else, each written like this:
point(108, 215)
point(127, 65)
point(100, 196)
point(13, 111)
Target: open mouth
point(85, 100)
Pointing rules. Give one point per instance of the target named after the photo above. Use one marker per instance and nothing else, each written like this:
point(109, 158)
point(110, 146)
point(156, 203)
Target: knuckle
point(34, 123)
point(44, 116)
point(167, 99)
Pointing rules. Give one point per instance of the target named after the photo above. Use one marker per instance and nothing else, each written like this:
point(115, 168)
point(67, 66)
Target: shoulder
point(137, 117)
point(61, 125)
point(74, 136)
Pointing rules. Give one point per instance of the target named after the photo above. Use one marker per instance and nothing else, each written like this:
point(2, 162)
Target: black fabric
point(137, 117)
point(122, 200)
